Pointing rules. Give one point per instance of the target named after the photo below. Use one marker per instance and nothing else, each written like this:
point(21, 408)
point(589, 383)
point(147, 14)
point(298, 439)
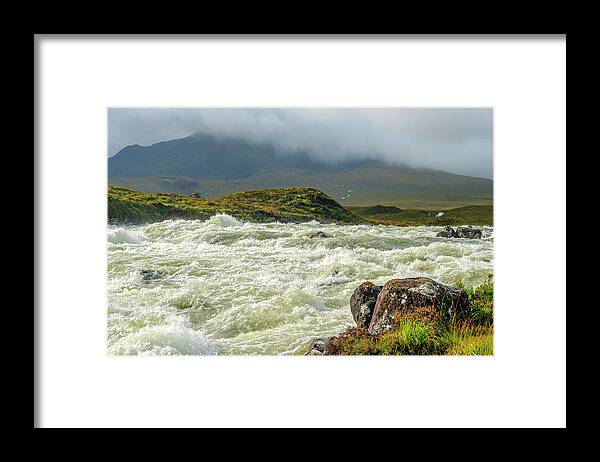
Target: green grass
point(469, 339)
point(428, 336)
point(482, 302)
point(268, 205)
point(479, 215)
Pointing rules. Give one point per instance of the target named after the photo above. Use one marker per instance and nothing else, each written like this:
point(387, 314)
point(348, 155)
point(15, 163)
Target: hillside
point(284, 205)
point(217, 166)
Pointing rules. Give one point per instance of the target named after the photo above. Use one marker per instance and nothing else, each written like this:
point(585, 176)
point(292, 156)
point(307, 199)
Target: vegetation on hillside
point(284, 205)
point(398, 186)
point(430, 335)
point(478, 215)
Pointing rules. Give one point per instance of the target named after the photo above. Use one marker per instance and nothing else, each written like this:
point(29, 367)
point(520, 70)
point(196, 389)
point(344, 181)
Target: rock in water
point(151, 275)
point(362, 303)
point(319, 235)
point(447, 232)
point(317, 347)
point(468, 232)
point(415, 297)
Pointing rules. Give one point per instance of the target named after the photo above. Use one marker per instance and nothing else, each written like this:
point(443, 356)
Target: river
point(225, 287)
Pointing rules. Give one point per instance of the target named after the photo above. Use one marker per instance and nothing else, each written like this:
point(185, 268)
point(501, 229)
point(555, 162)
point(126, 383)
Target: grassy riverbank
point(427, 336)
point(294, 205)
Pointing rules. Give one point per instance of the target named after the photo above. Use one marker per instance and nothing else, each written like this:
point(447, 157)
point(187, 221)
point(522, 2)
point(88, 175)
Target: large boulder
point(410, 297)
point(362, 303)
point(468, 232)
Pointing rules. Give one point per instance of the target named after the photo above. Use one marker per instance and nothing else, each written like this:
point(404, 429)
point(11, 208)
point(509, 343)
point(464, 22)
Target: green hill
point(294, 205)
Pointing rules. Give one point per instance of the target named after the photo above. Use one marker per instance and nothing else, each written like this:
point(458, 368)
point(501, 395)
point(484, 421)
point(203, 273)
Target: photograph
point(312, 231)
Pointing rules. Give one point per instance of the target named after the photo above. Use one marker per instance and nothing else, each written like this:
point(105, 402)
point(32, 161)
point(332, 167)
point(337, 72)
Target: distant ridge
point(214, 166)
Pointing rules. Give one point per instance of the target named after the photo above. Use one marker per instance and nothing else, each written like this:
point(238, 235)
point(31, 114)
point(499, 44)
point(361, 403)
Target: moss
point(355, 340)
point(295, 205)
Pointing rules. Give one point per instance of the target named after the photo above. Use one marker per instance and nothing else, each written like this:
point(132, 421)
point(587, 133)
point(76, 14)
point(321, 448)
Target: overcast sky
point(454, 140)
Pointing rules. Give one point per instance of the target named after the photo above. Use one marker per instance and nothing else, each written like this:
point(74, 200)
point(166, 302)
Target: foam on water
point(120, 235)
point(225, 287)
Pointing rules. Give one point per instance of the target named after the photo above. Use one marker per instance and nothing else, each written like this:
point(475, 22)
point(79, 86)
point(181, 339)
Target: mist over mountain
point(456, 140)
point(210, 157)
point(217, 165)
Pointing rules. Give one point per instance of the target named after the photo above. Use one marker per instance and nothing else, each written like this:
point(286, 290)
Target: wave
point(174, 338)
point(224, 220)
point(119, 235)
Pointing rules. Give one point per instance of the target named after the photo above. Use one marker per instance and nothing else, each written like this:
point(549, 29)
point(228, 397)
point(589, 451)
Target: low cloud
point(453, 140)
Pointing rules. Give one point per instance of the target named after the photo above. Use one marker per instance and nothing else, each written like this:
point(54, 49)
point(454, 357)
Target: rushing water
point(226, 287)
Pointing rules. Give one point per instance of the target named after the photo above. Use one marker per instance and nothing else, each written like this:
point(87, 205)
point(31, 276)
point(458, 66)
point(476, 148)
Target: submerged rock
point(151, 275)
point(319, 235)
point(415, 297)
point(468, 232)
point(362, 303)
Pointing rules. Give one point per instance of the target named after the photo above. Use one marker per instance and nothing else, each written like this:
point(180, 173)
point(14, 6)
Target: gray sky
point(454, 140)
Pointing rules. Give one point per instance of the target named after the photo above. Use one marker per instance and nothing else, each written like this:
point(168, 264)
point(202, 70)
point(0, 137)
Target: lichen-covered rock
point(468, 232)
point(447, 232)
point(406, 297)
point(362, 303)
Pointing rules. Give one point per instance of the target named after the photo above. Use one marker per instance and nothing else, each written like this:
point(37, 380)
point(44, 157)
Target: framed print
point(260, 232)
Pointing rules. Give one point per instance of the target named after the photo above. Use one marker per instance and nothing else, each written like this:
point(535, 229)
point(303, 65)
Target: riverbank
point(285, 205)
point(420, 328)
